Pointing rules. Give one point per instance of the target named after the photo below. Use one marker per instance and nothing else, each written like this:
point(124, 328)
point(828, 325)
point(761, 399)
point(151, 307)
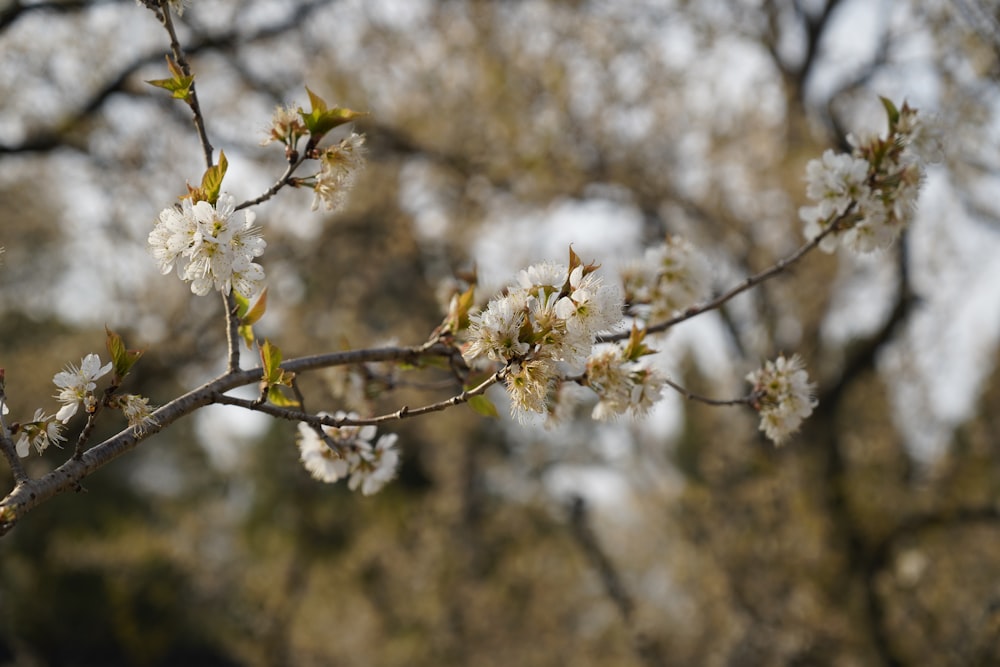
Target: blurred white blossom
point(623, 386)
point(348, 451)
point(870, 194)
point(339, 167)
point(783, 396)
point(286, 126)
point(668, 279)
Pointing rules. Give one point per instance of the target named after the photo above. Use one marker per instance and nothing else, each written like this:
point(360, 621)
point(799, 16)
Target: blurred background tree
point(500, 132)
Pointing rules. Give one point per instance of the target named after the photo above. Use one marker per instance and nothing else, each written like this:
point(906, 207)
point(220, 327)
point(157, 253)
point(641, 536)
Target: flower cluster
point(542, 326)
point(39, 433)
point(339, 166)
point(869, 195)
point(669, 278)
point(348, 451)
point(623, 384)
point(76, 386)
point(216, 244)
point(783, 396)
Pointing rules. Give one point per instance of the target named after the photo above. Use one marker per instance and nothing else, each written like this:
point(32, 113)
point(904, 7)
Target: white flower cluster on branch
point(783, 396)
point(332, 453)
point(869, 196)
point(555, 325)
point(669, 278)
point(543, 328)
point(212, 246)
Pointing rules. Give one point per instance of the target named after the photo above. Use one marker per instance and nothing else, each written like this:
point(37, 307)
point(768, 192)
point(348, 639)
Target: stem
point(747, 283)
point(88, 428)
point(746, 400)
point(232, 332)
point(282, 181)
point(402, 413)
point(182, 62)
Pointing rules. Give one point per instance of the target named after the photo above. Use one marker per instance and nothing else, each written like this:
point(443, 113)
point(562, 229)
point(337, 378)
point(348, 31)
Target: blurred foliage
point(207, 547)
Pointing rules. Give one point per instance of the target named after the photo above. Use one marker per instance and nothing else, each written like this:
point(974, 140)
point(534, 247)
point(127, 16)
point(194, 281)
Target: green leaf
point(122, 359)
point(636, 348)
point(211, 182)
point(320, 119)
point(891, 111)
point(178, 84)
point(270, 358)
point(483, 406)
point(276, 397)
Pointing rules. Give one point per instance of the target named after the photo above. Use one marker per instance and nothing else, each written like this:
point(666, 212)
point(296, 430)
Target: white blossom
point(286, 126)
point(623, 386)
point(528, 384)
point(339, 167)
point(668, 279)
point(495, 332)
point(376, 466)
point(136, 410)
point(871, 194)
point(77, 385)
point(783, 396)
point(545, 324)
point(591, 306)
point(40, 432)
point(348, 451)
point(216, 244)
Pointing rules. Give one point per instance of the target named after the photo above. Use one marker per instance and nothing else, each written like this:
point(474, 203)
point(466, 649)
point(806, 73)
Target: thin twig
point(182, 62)
point(747, 283)
point(282, 181)
point(81, 441)
point(745, 400)
point(402, 413)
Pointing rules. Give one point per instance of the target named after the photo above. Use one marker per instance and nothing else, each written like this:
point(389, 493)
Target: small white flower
point(783, 396)
point(670, 278)
point(376, 466)
point(591, 306)
point(348, 451)
point(40, 432)
point(835, 180)
point(286, 126)
point(77, 385)
point(339, 167)
point(624, 387)
point(136, 410)
point(322, 461)
point(496, 331)
point(528, 384)
point(550, 276)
